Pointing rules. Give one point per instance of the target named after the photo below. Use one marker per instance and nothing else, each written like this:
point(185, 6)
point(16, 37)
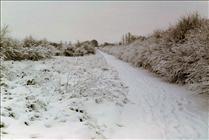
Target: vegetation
point(33, 49)
point(81, 49)
point(178, 54)
point(129, 38)
point(31, 42)
point(12, 49)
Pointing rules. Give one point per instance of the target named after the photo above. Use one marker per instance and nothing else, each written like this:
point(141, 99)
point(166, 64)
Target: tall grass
point(179, 54)
point(33, 49)
point(12, 49)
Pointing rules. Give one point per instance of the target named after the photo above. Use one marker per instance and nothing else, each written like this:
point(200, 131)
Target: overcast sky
point(104, 21)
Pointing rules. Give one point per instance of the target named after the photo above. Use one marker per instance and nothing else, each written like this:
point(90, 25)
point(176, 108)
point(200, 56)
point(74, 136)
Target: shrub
point(81, 49)
point(177, 33)
point(12, 49)
point(94, 43)
point(89, 49)
point(158, 34)
point(56, 45)
point(178, 54)
point(22, 54)
point(30, 42)
point(69, 52)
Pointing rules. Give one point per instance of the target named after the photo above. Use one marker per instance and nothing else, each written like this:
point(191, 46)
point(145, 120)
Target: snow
point(159, 109)
point(96, 97)
point(68, 98)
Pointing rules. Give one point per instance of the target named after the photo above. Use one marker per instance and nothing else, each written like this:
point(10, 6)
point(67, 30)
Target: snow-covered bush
point(178, 32)
point(179, 54)
point(12, 49)
point(81, 49)
point(69, 51)
point(31, 42)
point(21, 54)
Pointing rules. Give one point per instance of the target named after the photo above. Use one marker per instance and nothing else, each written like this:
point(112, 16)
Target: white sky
point(104, 21)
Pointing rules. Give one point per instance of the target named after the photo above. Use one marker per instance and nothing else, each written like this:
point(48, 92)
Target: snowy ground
point(90, 97)
point(61, 98)
point(158, 109)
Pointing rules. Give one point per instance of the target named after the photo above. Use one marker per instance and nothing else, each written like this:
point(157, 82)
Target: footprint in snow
point(119, 125)
point(34, 136)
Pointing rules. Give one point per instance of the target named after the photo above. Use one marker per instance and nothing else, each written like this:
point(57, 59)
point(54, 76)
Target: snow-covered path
point(158, 109)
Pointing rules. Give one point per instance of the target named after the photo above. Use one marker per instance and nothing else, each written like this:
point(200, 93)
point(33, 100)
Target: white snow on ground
point(65, 98)
point(158, 109)
point(84, 97)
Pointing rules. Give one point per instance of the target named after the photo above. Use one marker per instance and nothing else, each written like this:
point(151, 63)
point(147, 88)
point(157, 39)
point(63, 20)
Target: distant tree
point(123, 39)
point(94, 43)
point(128, 38)
point(78, 44)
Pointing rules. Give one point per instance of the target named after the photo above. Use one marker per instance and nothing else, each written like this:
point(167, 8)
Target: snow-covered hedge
point(179, 54)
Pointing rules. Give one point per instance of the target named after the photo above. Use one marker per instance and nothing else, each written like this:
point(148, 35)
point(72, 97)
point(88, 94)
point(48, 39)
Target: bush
point(178, 33)
point(178, 55)
point(12, 49)
point(30, 42)
point(56, 45)
point(69, 52)
point(94, 43)
point(81, 49)
point(23, 54)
